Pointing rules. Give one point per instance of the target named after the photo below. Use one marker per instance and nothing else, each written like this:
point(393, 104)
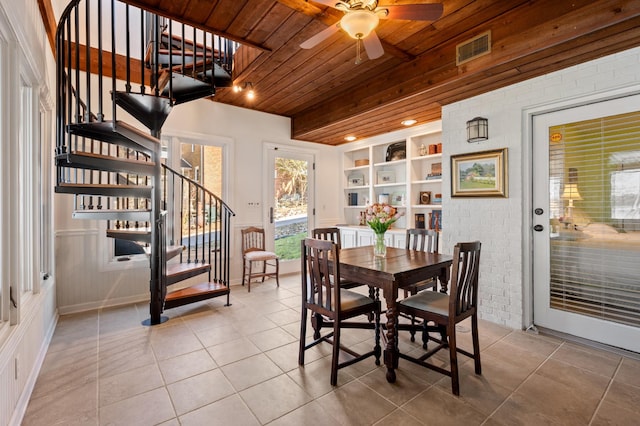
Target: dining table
point(398, 269)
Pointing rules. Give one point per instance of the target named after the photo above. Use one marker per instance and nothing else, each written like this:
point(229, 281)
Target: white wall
point(246, 131)
point(22, 346)
point(503, 224)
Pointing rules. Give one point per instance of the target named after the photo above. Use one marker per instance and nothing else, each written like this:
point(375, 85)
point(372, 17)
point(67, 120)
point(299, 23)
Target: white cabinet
point(355, 236)
point(413, 184)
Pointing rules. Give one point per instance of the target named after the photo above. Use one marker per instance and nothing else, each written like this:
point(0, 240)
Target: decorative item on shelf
point(419, 218)
point(380, 217)
point(436, 172)
point(425, 197)
point(437, 199)
point(386, 176)
point(356, 179)
point(383, 198)
point(361, 162)
point(396, 151)
point(439, 148)
point(435, 220)
point(422, 150)
point(433, 148)
point(362, 220)
point(397, 199)
point(477, 130)
point(352, 198)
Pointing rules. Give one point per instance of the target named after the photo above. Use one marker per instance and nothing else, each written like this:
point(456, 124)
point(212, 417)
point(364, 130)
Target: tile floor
point(237, 365)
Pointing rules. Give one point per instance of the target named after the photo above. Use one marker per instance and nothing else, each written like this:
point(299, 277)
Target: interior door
point(586, 239)
point(289, 203)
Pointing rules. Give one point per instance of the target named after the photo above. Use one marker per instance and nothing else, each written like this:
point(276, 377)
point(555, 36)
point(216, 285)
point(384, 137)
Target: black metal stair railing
point(202, 223)
point(112, 168)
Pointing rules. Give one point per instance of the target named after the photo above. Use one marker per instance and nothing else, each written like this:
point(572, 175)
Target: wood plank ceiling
point(329, 97)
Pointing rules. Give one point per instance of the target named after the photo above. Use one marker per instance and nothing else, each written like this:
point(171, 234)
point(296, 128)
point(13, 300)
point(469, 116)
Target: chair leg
point(278, 272)
point(244, 270)
point(303, 333)
point(453, 359)
point(476, 344)
point(316, 323)
point(264, 269)
point(249, 279)
point(377, 349)
point(335, 358)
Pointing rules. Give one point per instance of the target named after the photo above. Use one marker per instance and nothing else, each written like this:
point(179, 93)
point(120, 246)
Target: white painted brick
point(497, 223)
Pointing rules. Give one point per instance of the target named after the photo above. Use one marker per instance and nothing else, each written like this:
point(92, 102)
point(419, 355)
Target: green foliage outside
point(289, 247)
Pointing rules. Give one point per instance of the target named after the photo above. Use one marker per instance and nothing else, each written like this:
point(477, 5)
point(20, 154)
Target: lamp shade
point(359, 23)
point(571, 192)
point(477, 129)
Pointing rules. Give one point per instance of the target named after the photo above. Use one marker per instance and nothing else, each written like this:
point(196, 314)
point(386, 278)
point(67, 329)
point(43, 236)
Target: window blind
point(594, 168)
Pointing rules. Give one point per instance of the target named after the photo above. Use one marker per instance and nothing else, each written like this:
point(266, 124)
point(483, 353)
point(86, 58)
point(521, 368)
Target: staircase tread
point(115, 127)
point(102, 185)
point(202, 288)
point(109, 157)
point(174, 269)
point(141, 231)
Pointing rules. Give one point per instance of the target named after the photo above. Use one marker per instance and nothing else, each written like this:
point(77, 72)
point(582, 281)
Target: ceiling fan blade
point(373, 46)
point(331, 3)
point(321, 36)
point(414, 12)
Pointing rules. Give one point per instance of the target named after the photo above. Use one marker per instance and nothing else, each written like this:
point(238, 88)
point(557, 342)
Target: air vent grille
point(471, 49)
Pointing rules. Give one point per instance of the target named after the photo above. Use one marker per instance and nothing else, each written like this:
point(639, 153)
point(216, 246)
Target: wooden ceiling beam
point(438, 68)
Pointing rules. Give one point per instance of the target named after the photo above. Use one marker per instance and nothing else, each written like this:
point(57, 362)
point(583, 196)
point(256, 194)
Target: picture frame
point(479, 174)
point(386, 176)
point(425, 197)
point(398, 198)
point(356, 179)
point(435, 220)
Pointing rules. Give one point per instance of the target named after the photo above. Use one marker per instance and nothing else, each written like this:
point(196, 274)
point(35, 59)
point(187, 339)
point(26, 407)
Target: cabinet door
point(348, 238)
point(400, 240)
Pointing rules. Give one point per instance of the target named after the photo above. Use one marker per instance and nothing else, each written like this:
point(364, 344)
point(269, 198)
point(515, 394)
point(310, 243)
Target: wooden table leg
point(391, 350)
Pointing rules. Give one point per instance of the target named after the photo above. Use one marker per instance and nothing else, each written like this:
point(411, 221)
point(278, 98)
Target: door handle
point(270, 214)
point(538, 228)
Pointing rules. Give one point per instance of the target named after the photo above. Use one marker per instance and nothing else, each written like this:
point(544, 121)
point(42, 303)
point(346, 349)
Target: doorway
point(289, 203)
point(586, 239)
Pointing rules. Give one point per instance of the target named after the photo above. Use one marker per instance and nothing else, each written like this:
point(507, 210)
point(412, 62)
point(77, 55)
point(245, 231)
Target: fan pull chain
point(358, 50)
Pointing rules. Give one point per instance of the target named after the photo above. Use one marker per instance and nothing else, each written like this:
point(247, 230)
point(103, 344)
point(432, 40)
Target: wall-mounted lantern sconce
point(477, 129)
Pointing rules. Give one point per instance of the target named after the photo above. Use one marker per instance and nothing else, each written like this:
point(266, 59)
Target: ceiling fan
point(361, 17)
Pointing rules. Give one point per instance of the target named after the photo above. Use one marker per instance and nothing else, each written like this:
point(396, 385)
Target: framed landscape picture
point(480, 174)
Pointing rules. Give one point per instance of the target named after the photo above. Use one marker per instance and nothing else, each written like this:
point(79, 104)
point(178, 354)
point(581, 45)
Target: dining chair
point(333, 234)
point(320, 269)
point(254, 252)
point(423, 240)
point(445, 311)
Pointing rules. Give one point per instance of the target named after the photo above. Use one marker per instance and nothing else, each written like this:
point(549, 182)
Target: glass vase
point(379, 246)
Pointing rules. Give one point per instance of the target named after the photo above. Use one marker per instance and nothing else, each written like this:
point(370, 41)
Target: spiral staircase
point(115, 170)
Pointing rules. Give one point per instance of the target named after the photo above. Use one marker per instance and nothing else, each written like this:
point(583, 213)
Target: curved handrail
point(199, 186)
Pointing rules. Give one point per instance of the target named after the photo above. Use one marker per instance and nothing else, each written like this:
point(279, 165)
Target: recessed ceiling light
point(349, 138)
point(408, 122)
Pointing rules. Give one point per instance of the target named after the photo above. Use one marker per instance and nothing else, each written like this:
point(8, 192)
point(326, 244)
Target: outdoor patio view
point(291, 200)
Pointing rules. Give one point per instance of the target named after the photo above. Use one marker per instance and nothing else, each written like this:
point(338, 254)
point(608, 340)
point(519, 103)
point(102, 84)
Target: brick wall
point(498, 222)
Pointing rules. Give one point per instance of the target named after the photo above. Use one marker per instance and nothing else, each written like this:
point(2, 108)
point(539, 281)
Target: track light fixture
point(246, 86)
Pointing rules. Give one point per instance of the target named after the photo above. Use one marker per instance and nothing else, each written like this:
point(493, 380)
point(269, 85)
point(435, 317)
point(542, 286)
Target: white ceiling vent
point(471, 49)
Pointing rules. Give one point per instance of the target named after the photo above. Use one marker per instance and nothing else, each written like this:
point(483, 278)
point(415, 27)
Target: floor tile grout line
point(523, 381)
point(606, 391)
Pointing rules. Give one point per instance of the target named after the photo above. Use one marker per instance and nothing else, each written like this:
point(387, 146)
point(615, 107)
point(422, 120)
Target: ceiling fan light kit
point(359, 24)
point(362, 17)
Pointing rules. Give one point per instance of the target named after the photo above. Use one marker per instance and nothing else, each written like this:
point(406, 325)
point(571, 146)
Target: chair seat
point(350, 300)
point(430, 301)
point(260, 255)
